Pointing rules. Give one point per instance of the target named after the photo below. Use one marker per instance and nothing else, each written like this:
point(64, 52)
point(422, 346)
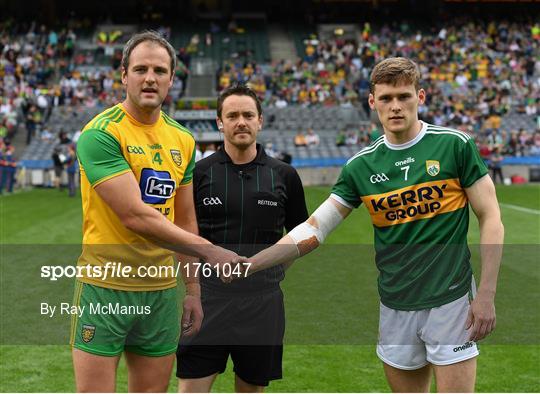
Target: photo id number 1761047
point(207, 270)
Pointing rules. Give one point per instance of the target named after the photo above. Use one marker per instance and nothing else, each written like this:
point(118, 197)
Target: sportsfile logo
point(156, 186)
point(211, 201)
point(378, 178)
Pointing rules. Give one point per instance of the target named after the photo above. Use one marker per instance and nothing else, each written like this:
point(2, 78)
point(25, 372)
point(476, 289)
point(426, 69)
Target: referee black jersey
point(245, 208)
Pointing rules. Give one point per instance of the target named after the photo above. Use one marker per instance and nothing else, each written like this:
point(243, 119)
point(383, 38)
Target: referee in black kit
point(244, 199)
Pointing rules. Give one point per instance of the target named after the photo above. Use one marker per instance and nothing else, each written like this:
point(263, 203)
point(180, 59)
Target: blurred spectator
point(33, 118)
point(495, 163)
point(198, 153)
point(535, 148)
point(46, 135)
point(59, 159)
point(269, 149)
point(209, 150)
point(341, 138)
point(312, 139)
point(300, 139)
point(72, 169)
point(352, 138)
point(8, 167)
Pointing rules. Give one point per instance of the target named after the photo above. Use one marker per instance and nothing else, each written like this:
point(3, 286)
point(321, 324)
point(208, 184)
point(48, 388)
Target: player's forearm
point(152, 225)
point(491, 246)
point(285, 251)
point(188, 263)
point(286, 265)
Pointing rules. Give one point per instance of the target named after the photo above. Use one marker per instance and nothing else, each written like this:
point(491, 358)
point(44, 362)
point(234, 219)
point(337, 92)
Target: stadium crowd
point(474, 74)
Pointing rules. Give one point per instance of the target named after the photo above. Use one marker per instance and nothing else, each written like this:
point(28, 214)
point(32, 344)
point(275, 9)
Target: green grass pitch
point(331, 302)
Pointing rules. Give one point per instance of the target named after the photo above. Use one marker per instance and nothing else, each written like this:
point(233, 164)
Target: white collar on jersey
point(410, 143)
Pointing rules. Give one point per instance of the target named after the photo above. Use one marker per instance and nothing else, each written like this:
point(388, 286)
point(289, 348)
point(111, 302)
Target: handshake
point(227, 265)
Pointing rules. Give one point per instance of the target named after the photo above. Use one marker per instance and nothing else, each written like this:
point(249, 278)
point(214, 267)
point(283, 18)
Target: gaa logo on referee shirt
point(211, 201)
point(156, 186)
point(378, 178)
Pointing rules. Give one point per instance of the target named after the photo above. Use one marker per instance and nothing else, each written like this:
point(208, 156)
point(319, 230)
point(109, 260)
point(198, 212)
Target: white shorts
point(412, 339)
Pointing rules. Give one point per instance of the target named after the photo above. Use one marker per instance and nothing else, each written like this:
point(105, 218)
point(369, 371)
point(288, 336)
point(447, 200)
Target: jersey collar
point(410, 143)
point(259, 159)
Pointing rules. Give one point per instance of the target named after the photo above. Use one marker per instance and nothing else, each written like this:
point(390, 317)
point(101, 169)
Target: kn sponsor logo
point(378, 178)
point(156, 186)
point(211, 201)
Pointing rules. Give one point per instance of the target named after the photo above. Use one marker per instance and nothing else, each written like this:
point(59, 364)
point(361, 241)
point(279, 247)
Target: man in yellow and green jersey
point(136, 181)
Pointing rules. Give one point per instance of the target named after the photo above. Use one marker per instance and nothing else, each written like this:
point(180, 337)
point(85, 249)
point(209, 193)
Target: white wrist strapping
point(327, 218)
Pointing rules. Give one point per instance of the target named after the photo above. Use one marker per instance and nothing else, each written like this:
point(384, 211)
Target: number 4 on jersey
point(406, 169)
point(157, 158)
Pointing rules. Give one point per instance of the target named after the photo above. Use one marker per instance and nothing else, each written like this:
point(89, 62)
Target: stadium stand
point(480, 77)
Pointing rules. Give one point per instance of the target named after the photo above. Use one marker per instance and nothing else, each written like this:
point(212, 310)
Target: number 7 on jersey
point(406, 169)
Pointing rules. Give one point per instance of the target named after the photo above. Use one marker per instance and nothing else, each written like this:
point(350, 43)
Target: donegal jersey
point(415, 195)
point(161, 156)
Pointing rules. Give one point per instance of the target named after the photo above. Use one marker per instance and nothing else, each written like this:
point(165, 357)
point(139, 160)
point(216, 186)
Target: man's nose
point(150, 77)
point(395, 106)
point(241, 121)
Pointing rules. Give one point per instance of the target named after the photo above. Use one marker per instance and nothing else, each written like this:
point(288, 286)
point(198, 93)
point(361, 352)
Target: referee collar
point(259, 159)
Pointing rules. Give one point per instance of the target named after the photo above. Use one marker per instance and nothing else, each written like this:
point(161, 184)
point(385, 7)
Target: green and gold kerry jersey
point(415, 195)
point(161, 156)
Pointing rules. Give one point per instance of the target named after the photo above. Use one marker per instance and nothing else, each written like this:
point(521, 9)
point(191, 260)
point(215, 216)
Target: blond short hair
point(395, 71)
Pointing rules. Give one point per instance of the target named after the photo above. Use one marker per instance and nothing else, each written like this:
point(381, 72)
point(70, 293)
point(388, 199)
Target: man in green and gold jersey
point(136, 184)
point(416, 181)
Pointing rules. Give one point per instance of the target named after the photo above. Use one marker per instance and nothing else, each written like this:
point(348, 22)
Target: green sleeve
point(100, 155)
point(188, 175)
point(471, 165)
point(345, 188)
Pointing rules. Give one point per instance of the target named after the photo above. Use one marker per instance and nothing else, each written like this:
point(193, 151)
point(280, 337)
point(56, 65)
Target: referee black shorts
point(249, 328)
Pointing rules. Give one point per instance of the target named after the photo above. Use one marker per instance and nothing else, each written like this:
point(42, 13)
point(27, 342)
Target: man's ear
point(124, 76)
point(421, 96)
point(219, 124)
point(371, 101)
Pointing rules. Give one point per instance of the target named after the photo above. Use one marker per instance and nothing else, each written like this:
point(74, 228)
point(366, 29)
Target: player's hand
point(239, 268)
point(481, 319)
point(217, 256)
point(192, 314)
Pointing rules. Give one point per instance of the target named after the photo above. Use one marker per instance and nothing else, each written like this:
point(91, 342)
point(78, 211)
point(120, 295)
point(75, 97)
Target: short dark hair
point(151, 36)
point(395, 71)
point(238, 90)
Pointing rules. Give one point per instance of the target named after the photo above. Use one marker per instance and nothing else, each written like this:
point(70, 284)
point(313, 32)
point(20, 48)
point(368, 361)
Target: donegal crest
point(433, 167)
point(88, 333)
point(177, 158)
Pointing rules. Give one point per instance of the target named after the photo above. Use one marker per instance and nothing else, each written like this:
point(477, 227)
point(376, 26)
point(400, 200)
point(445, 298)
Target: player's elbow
point(492, 224)
point(132, 223)
point(135, 221)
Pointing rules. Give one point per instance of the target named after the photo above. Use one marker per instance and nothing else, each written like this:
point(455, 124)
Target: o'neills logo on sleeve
point(415, 202)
